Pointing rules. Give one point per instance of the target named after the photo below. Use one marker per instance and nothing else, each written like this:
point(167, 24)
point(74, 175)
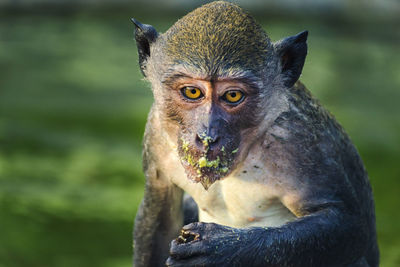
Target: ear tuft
point(145, 35)
point(292, 52)
point(301, 37)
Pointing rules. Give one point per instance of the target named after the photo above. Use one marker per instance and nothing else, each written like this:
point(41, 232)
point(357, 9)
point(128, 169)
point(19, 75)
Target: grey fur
point(305, 160)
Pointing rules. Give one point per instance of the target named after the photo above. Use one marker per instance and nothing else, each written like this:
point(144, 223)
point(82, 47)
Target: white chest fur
point(238, 203)
point(242, 199)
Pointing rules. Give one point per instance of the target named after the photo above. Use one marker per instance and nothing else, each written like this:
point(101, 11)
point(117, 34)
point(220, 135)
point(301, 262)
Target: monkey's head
point(217, 80)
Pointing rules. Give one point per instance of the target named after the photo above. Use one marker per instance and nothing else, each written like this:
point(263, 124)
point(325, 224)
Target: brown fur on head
point(217, 49)
point(218, 37)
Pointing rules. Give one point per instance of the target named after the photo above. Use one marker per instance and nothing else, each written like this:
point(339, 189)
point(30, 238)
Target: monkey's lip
point(206, 178)
point(207, 171)
point(206, 165)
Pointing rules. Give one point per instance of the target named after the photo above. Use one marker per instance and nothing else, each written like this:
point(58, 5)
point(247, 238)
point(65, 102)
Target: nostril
point(203, 140)
point(199, 141)
point(215, 140)
point(214, 143)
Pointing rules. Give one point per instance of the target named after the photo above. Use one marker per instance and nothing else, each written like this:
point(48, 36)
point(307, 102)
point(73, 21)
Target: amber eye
point(191, 93)
point(233, 96)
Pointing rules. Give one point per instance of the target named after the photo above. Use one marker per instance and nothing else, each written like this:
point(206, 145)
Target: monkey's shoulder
point(307, 125)
point(307, 145)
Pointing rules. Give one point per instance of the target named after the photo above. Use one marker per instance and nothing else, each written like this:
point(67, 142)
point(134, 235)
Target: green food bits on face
point(224, 169)
point(203, 165)
point(190, 160)
point(202, 162)
point(185, 145)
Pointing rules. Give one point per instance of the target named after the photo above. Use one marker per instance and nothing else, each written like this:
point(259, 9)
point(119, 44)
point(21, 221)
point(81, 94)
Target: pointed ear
point(145, 35)
point(292, 52)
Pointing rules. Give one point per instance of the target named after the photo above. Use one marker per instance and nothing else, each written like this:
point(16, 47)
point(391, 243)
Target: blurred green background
point(73, 107)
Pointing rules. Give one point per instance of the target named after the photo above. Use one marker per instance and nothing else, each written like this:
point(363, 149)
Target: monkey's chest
point(240, 201)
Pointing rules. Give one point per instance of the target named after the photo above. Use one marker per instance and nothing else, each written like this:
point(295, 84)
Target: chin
point(207, 175)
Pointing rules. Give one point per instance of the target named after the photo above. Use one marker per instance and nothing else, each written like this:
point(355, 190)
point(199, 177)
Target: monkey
point(243, 166)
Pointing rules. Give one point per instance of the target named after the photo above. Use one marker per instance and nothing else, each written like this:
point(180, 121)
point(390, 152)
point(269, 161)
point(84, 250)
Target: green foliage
point(72, 115)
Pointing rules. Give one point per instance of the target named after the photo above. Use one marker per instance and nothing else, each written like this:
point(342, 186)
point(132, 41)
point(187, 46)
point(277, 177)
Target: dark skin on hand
point(243, 166)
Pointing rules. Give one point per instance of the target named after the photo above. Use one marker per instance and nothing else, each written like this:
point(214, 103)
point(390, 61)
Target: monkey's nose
point(207, 142)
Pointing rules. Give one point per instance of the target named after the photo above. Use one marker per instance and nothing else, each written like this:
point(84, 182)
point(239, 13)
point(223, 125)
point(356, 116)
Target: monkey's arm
point(157, 222)
point(160, 215)
point(328, 237)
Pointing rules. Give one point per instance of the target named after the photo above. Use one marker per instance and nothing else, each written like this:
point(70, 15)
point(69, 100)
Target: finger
point(193, 229)
point(176, 263)
point(200, 226)
point(196, 261)
point(186, 250)
point(192, 226)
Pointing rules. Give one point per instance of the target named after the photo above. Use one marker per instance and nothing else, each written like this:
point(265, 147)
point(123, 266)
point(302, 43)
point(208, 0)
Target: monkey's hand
point(210, 244)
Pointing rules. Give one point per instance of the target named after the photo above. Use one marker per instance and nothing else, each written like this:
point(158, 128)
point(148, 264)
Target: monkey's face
point(212, 118)
point(216, 74)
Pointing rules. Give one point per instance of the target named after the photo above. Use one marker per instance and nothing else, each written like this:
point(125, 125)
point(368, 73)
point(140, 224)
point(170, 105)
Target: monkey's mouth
point(206, 167)
point(206, 171)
